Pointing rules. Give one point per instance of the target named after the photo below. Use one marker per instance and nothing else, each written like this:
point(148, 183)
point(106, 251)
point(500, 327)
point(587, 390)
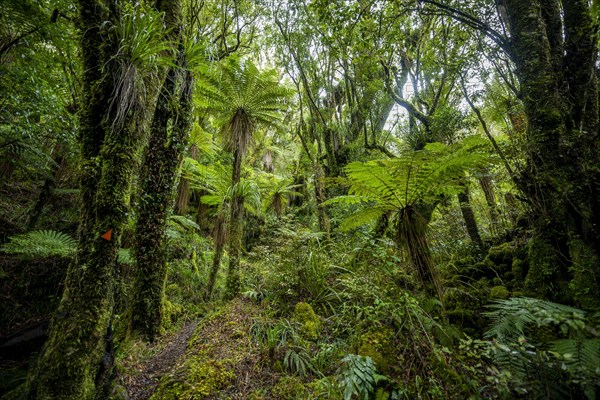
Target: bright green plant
point(357, 376)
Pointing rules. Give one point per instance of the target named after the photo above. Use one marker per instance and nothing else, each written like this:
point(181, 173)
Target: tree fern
point(40, 244)
point(410, 187)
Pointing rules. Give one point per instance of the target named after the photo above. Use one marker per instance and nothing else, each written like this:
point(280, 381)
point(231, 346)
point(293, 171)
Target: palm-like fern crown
point(241, 97)
point(415, 177)
point(216, 181)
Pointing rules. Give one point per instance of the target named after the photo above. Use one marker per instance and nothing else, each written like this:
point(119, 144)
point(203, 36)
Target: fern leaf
point(40, 244)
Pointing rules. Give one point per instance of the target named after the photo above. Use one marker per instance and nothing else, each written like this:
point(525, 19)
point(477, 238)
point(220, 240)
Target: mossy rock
point(499, 292)
point(290, 388)
point(379, 346)
point(311, 323)
point(502, 254)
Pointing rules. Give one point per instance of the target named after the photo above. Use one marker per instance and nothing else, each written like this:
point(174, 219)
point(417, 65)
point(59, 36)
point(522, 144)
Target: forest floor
point(214, 358)
point(141, 377)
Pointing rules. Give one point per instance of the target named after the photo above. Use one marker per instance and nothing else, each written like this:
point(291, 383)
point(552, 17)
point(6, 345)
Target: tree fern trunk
point(235, 230)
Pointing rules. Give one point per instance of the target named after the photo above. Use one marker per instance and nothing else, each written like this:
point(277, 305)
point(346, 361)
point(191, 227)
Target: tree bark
point(464, 202)
point(561, 104)
point(235, 230)
point(76, 361)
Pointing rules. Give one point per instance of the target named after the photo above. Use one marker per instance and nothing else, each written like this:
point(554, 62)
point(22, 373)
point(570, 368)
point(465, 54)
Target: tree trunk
point(235, 230)
point(162, 161)
point(464, 202)
point(76, 361)
point(561, 104)
point(488, 191)
point(220, 240)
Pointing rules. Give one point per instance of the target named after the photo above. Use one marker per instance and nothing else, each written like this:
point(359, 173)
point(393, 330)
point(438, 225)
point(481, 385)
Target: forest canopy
point(301, 199)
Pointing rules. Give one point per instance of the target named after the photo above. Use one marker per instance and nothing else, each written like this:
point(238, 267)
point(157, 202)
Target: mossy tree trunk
point(76, 361)
point(464, 202)
point(235, 229)
point(162, 160)
point(220, 238)
point(560, 96)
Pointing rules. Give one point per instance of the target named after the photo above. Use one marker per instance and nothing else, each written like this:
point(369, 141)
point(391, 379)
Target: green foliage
point(240, 96)
point(41, 244)
point(357, 376)
point(141, 52)
point(541, 364)
point(415, 177)
point(511, 317)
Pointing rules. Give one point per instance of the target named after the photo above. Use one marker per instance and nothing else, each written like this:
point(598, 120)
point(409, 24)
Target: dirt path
point(143, 382)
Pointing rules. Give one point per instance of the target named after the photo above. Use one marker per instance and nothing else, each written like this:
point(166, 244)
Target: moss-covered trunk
point(560, 96)
point(76, 361)
point(235, 229)
point(160, 170)
point(464, 202)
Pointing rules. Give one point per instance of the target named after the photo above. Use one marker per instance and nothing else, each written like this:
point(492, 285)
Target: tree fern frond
point(362, 217)
point(185, 223)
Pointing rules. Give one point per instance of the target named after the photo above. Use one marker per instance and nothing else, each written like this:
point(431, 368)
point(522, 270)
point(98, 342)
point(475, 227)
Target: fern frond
point(185, 223)
point(356, 376)
point(362, 217)
point(512, 316)
point(40, 244)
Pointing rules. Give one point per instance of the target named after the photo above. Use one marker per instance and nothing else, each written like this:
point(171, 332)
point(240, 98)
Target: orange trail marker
point(107, 235)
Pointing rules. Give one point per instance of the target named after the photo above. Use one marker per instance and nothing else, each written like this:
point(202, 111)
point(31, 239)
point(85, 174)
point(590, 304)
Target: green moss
point(502, 254)
point(543, 269)
point(518, 269)
point(290, 388)
point(499, 292)
point(311, 324)
point(585, 284)
point(202, 378)
point(378, 345)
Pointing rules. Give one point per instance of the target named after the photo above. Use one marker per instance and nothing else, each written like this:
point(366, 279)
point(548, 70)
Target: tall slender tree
point(241, 97)
point(169, 132)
